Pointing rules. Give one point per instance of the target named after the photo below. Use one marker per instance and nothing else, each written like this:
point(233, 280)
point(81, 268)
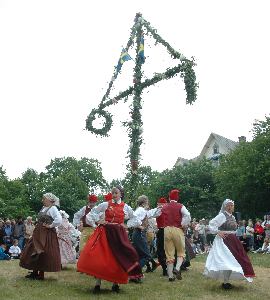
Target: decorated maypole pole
point(134, 127)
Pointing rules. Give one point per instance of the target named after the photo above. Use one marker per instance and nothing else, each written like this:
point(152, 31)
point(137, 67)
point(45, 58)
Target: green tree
point(244, 174)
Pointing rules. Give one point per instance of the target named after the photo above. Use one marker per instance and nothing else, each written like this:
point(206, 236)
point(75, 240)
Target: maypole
point(185, 67)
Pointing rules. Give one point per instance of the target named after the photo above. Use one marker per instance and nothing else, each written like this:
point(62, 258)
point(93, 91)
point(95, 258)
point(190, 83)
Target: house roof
point(226, 144)
point(221, 140)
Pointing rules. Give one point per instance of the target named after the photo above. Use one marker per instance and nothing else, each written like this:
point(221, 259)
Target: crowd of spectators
point(13, 236)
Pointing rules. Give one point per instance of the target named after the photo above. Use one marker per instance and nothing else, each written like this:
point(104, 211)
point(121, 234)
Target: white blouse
point(97, 213)
point(141, 213)
point(54, 213)
point(78, 216)
point(215, 223)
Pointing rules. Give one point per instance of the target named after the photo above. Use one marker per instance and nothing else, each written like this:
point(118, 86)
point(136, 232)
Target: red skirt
point(239, 253)
point(97, 258)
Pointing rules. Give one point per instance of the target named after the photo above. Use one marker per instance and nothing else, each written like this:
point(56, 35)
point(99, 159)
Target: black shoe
point(96, 289)
point(31, 275)
point(148, 270)
point(172, 279)
point(154, 266)
point(164, 273)
point(177, 274)
point(135, 280)
point(226, 286)
point(116, 288)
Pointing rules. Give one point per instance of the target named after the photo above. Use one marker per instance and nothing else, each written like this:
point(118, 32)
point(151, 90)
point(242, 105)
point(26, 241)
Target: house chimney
point(242, 138)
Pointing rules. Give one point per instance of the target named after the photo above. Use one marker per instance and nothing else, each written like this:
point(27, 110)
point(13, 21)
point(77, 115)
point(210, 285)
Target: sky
point(58, 56)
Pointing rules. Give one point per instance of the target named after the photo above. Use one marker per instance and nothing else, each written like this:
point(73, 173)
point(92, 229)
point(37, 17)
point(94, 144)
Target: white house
point(215, 146)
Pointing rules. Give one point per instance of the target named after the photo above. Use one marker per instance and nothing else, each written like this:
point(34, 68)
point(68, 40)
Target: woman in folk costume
point(108, 254)
point(139, 238)
point(41, 254)
point(65, 234)
point(227, 258)
point(79, 220)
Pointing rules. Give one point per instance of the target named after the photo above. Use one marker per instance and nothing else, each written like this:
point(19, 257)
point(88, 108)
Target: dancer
point(227, 258)
point(108, 254)
point(160, 238)
point(176, 216)
point(41, 253)
point(79, 220)
point(139, 239)
point(65, 234)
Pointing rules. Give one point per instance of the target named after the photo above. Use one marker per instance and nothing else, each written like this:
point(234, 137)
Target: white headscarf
point(64, 214)
point(223, 206)
point(55, 200)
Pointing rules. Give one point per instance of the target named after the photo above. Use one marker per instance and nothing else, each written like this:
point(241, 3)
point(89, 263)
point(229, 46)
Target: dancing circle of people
point(115, 241)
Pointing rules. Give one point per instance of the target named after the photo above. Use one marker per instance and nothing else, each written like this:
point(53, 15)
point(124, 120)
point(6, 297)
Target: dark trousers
point(160, 248)
point(139, 242)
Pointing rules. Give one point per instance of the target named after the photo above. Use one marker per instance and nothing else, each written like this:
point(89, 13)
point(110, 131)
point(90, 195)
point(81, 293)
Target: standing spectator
point(201, 234)
point(15, 250)
point(2, 223)
point(258, 234)
point(266, 225)
point(8, 233)
point(28, 229)
point(250, 235)
point(18, 232)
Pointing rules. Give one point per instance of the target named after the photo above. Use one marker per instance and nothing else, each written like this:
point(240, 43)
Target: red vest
point(172, 214)
point(160, 221)
point(115, 212)
point(87, 210)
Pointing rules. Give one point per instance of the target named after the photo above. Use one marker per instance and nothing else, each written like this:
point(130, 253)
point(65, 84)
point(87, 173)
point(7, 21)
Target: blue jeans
point(139, 242)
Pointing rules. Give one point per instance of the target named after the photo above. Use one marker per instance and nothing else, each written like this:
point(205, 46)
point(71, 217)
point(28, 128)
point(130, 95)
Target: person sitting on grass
point(3, 255)
point(15, 250)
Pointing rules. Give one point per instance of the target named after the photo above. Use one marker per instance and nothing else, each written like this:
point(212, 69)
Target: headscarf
point(223, 206)
point(55, 200)
point(64, 214)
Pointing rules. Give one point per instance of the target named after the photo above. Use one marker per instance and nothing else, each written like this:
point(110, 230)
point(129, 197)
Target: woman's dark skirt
point(42, 251)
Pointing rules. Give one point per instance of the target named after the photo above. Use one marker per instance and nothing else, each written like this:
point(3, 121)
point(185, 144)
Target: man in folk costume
point(79, 220)
point(160, 237)
point(41, 253)
point(227, 258)
point(176, 216)
point(108, 254)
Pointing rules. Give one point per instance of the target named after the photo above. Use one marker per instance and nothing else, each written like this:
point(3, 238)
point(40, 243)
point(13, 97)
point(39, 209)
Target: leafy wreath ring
point(107, 124)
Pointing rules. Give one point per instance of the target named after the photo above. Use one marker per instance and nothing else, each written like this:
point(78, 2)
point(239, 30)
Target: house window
point(215, 149)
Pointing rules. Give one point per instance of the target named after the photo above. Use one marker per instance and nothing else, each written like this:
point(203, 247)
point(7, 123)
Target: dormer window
point(215, 149)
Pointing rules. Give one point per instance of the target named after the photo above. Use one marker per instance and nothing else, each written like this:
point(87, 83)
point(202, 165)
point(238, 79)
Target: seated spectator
point(15, 250)
point(3, 255)
point(265, 247)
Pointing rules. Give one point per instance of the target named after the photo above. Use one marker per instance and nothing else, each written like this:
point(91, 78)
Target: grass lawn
point(68, 284)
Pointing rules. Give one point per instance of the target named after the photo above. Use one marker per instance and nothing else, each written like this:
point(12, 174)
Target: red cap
point(174, 195)
point(92, 198)
point(108, 197)
point(162, 200)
